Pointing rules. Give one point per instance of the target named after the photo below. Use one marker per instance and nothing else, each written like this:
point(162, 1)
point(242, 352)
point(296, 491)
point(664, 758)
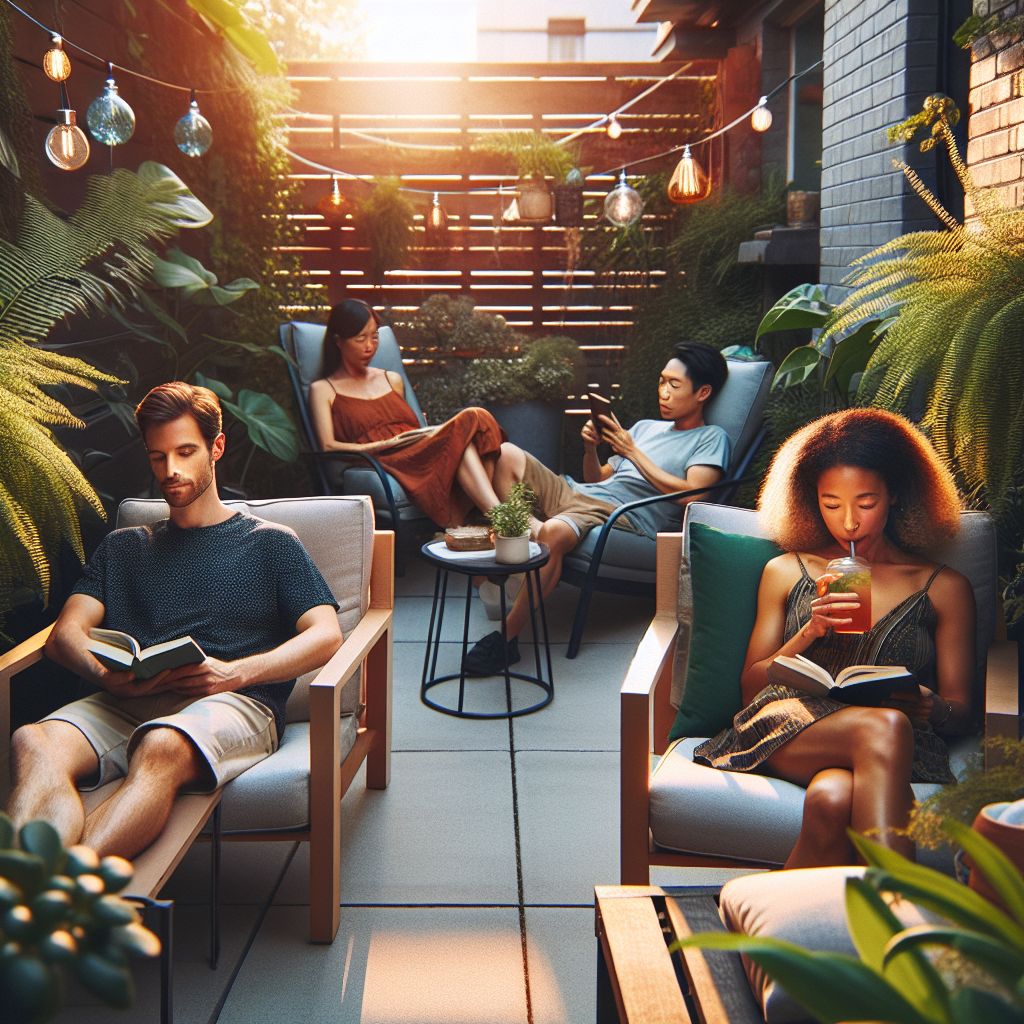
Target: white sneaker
point(490, 594)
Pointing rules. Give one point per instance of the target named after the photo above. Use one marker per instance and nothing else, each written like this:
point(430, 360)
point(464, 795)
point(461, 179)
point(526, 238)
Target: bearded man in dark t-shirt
point(244, 589)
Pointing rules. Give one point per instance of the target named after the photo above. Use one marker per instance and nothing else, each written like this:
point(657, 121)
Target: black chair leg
point(579, 622)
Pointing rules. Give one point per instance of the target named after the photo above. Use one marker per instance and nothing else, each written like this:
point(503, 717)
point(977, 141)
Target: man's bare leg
point(560, 538)
point(510, 469)
point(163, 762)
point(47, 759)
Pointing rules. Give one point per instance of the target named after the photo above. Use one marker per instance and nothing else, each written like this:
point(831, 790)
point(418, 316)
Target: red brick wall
point(995, 132)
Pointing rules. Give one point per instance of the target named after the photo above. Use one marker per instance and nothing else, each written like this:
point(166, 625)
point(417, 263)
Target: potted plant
point(511, 522)
point(536, 157)
point(384, 219)
point(61, 916)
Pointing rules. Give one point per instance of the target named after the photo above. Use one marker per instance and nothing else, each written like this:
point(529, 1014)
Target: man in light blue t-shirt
point(676, 453)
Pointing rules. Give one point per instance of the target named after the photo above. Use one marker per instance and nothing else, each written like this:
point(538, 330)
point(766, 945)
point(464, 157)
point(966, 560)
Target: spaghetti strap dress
point(903, 636)
point(425, 468)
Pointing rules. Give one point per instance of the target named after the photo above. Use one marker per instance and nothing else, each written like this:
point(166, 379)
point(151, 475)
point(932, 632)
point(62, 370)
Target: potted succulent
point(511, 522)
point(536, 157)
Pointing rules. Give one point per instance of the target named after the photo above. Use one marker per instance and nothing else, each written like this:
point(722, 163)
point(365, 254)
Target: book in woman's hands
point(121, 653)
point(857, 684)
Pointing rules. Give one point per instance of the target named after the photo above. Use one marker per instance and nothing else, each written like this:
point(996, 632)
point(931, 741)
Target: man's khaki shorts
point(231, 731)
point(557, 500)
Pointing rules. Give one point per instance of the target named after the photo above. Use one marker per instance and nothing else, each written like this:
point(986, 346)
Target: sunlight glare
point(416, 31)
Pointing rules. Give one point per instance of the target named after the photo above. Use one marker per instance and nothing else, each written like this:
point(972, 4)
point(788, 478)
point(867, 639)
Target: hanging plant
point(385, 219)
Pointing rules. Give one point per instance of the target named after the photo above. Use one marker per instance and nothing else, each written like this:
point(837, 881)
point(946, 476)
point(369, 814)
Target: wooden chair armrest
point(325, 687)
point(1002, 691)
point(16, 660)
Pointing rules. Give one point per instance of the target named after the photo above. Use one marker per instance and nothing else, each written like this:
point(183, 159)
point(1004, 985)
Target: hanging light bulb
point(689, 183)
point(623, 205)
point(614, 129)
point(436, 226)
point(109, 118)
point(66, 144)
point(193, 134)
point(56, 63)
point(761, 118)
point(334, 206)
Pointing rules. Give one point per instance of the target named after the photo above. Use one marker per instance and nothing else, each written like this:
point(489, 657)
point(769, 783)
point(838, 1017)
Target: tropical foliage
point(893, 980)
point(57, 269)
point(384, 218)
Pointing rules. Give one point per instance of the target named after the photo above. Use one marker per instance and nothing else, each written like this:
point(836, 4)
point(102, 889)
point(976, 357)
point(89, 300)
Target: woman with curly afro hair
point(866, 476)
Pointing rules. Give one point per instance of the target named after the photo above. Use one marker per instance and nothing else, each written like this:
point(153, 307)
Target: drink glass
point(854, 578)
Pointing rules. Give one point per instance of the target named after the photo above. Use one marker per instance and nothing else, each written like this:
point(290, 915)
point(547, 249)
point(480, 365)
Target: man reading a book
point(244, 589)
point(676, 453)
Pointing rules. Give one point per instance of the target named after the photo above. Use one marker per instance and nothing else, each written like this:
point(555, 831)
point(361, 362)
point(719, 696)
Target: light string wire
point(104, 62)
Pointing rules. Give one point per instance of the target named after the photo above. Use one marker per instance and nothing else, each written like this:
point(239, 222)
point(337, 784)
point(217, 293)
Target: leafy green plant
point(977, 26)
point(60, 914)
point(511, 517)
point(893, 980)
point(533, 154)
point(385, 218)
point(446, 325)
point(544, 373)
point(54, 270)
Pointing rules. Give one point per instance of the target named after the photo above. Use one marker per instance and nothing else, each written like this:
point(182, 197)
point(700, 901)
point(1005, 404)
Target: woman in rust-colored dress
point(356, 407)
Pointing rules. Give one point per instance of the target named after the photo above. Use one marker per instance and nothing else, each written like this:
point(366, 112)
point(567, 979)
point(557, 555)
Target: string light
point(193, 134)
point(333, 206)
point(623, 205)
point(761, 118)
point(689, 183)
point(66, 144)
point(56, 63)
point(109, 118)
point(614, 129)
point(436, 225)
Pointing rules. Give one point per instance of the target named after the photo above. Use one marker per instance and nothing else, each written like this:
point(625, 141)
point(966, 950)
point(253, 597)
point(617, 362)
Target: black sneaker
point(487, 656)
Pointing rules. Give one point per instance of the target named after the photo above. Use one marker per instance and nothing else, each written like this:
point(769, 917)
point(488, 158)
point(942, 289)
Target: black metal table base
point(535, 598)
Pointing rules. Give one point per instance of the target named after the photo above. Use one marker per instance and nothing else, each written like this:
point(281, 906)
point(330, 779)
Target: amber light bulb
point(66, 145)
point(56, 63)
point(689, 183)
point(614, 128)
point(761, 118)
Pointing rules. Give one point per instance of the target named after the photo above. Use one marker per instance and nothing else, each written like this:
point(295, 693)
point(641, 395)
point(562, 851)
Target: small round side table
point(482, 563)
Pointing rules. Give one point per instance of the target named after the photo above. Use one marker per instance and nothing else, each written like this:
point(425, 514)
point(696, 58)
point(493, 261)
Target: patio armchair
point(351, 472)
point(678, 813)
point(622, 562)
point(338, 717)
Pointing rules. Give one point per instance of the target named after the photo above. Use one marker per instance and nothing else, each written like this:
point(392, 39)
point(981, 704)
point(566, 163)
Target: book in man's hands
point(599, 406)
point(856, 684)
point(121, 653)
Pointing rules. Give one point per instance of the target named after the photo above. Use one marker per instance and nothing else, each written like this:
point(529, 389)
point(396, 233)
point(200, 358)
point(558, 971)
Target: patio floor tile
point(562, 959)
point(387, 966)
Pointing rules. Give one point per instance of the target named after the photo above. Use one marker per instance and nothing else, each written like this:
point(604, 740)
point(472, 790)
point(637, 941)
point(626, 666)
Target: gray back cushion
point(972, 553)
point(739, 407)
point(338, 534)
point(304, 342)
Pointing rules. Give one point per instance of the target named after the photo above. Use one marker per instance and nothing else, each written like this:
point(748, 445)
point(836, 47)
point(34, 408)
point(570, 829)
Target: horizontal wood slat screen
point(515, 269)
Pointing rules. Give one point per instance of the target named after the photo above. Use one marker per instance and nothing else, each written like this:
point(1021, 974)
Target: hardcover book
point(121, 653)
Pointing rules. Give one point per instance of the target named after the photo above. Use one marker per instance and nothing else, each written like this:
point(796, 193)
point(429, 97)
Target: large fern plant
point(957, 342)
point(57, 269)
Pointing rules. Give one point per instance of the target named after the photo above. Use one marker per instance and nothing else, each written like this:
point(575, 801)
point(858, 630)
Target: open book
point(121, 653)
point(388, 444)
point(856, 684)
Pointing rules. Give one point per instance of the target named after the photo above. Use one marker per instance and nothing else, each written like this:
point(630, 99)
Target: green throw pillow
point(725, 571)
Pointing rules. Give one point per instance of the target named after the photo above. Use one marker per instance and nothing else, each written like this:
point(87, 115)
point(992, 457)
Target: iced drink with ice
point(854, 578)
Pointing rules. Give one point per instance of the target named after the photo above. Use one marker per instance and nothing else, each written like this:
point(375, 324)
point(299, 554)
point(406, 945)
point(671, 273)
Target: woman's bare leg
point(474, 476)
point(877, 746)
point(828, 806)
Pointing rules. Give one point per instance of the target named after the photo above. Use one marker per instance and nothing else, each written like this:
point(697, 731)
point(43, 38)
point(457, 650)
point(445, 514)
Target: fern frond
point(928, 197)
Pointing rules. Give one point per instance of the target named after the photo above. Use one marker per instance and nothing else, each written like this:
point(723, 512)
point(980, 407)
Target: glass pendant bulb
point(689, 183)
point(574, 177)
point(193, 134)
point(761, 118)
point(56, 63)
point(623, 205)
point(614, 129)
point(66, 145)
point(333, 206)
point(109, 118)
point(436, 225)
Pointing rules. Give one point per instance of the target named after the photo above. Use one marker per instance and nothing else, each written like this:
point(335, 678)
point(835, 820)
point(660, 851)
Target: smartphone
point(599, 406)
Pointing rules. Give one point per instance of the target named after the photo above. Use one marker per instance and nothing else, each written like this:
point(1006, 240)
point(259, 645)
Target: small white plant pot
point(512, 550)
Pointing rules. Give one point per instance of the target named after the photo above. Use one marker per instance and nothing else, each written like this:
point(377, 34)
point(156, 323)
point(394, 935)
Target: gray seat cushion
point(627, 556)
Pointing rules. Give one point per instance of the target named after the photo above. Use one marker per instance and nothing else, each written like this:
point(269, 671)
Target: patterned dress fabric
point(426, 468)
point(903, 636)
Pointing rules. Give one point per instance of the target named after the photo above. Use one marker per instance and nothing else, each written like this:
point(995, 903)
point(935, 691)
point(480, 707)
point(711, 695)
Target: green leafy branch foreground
point(894, 980)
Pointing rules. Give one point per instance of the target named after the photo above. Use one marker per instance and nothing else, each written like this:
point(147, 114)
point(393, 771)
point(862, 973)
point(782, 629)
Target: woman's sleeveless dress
point(425, 468)
point(904, 636)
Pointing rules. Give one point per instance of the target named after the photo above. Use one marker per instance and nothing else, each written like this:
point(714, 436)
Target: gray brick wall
point(880, 63)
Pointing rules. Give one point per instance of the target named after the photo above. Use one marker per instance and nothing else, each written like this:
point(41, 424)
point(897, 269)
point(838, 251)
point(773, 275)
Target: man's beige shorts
point(557, 500)
point(231, 731)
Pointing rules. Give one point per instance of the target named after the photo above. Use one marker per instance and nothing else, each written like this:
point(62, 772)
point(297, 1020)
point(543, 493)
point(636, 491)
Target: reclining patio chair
point(351, 472)
point(621, 562)
point(337, 717)
point(681, 813)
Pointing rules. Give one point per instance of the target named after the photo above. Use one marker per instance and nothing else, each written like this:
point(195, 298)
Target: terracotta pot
point(1009, 838)
point(512, 550)
point(534, 200)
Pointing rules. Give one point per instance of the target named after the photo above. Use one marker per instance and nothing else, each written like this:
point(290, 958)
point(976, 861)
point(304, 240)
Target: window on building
point(805, 100)
point(565, 38)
